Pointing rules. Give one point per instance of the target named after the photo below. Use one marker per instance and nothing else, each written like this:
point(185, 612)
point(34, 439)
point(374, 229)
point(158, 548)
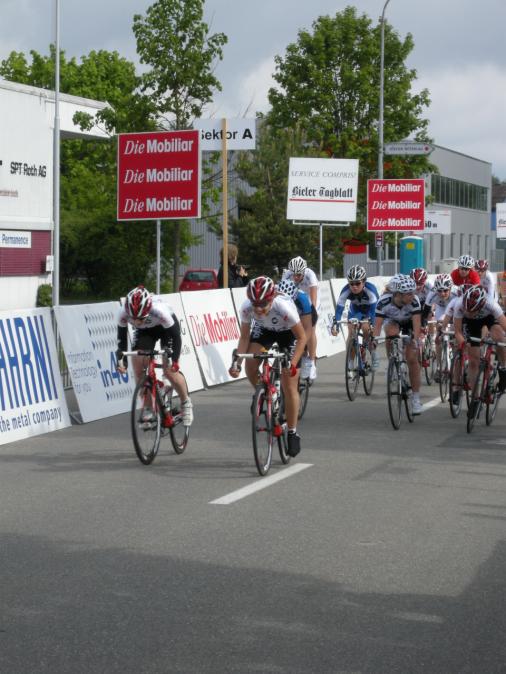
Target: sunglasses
point(261, 305)
point(355, 283)
point(464, 268)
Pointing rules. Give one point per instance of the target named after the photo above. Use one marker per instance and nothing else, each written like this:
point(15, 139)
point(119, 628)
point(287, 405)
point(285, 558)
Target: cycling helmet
point(461, 290)
point(474, 298)
point(442, 282)
point(138, 302)
point(481, 265)
point(465, 262)
point(288, 287)
point(356, 273)
point(298, 265)
point(419, 275)
point(401, 283)
point(260, 290)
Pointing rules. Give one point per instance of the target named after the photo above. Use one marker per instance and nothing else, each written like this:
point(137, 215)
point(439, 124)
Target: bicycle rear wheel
point(146, 420)
point(368, 372)
point(492, 400)
point(351, 369)
point(394, 393)
point(429, 357)
point(282, 440)
point(456, 385)
point(303, 396)
point(476, 400)
point(444, 373)
point(179, 434)
point(407, 393)
point(261, 426)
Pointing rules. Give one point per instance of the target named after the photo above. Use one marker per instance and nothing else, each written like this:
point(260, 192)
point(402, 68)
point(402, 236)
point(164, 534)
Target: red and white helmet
point(261, 290)
point(442, 282)
point(462, 289)
point(419, 275)
point(474, 298)
point(481, 265)
point(138, 302)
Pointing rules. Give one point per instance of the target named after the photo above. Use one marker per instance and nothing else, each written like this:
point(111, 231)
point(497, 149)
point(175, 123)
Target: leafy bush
point(45, 295)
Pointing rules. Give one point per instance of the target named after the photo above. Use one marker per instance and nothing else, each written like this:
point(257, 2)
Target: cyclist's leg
point(260, 339)
point(472, 328)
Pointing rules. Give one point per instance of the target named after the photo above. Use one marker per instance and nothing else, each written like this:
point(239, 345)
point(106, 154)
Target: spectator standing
point(237, 275)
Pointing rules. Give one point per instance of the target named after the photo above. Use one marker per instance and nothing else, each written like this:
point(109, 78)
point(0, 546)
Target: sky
point(459, 53)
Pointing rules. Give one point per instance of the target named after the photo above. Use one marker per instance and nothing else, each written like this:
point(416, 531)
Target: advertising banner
point(32, 400)
point(158, 175)
point(500, 210)
point(438, 222)
point(89, 337)
point(327, 344)
point(322, 190)
point(214, 329)
point(396, 205)
point(241, 133)
point(188, 361)
point(238, 295)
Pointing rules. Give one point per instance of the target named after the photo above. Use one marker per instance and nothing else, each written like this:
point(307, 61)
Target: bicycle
point(428, 354)
point(398, 383)
point(304, 386)
point(154, 412)
point(358, 364)
point(485, 389)
point(458, 383)
point(444, 363)
point(267, 408)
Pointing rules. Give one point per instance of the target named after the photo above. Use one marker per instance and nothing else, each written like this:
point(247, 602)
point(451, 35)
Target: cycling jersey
point(490, 308)
point(424, 292)
point(159, 314)
point(441, 303)
point(472, 278)
point(282, 315)
point(387, 309)
point(309, 281)
point(487, 281)
point(362, 304)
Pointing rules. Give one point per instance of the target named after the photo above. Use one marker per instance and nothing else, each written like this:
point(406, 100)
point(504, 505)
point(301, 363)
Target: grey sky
point(459, 52)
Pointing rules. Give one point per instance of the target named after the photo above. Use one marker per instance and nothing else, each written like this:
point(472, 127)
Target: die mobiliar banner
point(396, 205)
point(159, 175)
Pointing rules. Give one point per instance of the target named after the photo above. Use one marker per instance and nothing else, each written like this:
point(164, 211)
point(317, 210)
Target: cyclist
point(275, 320)
point(486, 278)
point(304, 308)
point(362, 296)
point(465, 272)
point(306, 280)
point(152, 320)
point(438, 301)
point(472, 312)
point(423, 288)
point(399, 312)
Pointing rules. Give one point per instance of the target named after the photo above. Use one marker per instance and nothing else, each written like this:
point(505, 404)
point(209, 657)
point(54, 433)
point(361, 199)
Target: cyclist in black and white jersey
point(152, 320)
point(473, 311)
point(275, 319)
point(438, 301)
point(307, 281)
point(423, 288)
point(399, 312)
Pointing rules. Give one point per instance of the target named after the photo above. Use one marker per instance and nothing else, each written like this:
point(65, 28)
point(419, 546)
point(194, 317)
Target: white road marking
point(431, 403)
point(262, 483)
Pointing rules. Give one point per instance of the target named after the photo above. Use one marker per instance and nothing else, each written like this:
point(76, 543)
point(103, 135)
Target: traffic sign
point(408, 147)
point(378, 239)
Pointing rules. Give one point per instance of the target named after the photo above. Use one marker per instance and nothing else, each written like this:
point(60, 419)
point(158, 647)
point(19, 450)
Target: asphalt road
point(386, 554)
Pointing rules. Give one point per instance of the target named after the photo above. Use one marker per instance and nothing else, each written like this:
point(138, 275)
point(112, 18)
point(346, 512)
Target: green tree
point(175, 43)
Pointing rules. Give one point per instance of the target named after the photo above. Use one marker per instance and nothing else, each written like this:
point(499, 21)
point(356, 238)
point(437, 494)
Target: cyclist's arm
point(417, 324)
point(502, 321)
point(122, 338)
point(459, 334)
point(242, 345)
point(313, 295)
point(378, 324)
point(172, 337)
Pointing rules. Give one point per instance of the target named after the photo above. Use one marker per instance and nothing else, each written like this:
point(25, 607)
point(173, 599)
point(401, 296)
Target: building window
point(458, 193)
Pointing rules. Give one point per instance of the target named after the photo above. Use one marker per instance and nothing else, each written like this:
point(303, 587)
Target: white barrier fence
point(31, 394)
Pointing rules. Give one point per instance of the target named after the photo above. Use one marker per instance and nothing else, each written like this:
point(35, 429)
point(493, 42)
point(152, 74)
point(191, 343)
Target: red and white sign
point(158, 175)
point(378, 239)
point(396, 205)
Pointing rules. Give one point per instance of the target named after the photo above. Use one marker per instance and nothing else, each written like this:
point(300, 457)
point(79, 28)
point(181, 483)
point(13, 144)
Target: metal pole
point(56, 163)
point(158, 254)
point(381, 104)
point(321, 251)
point(225, 199)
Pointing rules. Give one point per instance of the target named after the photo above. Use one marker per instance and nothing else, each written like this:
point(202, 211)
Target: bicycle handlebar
point(152, 353)
point(487, 341)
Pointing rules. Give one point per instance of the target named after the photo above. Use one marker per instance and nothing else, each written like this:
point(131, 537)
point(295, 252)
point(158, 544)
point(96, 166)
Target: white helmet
point(356, 273)
point(466, 262)
point(298, 265)
point(401, 283)
point(442, 282)
point(288, 287)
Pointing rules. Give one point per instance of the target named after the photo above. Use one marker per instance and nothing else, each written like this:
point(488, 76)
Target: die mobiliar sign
point(158, 175)
point(395, 205)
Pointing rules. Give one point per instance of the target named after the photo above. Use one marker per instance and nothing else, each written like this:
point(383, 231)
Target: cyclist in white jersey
point(152, 320)
point(437, 301)
point(275, 319)
point(486, 278)
point(472, 312)
point(306, 280)
point(399, 311)
point(423, 288)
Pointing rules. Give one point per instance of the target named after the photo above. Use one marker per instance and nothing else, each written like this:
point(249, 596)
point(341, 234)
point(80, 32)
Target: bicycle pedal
point(278, 430)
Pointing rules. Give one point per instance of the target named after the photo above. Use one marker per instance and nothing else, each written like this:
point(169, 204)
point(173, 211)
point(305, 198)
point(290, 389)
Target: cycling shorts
point(472, 327)
point(405, 327)
point(285, 339)
point(146, 339)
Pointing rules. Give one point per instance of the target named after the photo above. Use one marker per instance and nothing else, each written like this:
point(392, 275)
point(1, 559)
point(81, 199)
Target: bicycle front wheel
point(456, 384)
point(492, 406)
point(444, 373)
point(351, 370)
point(407, 393)
point(394, 393)
point(262, 435)
point(303, 396)
point(429, 359)
point(476, 402)
point(146, 420)
point(179, 434)
point(368, 374)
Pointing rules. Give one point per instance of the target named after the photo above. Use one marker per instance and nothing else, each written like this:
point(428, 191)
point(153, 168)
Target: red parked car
point(199, 279)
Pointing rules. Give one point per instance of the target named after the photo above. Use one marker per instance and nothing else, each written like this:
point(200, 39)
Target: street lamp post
point(380, 124)
point(56, 163)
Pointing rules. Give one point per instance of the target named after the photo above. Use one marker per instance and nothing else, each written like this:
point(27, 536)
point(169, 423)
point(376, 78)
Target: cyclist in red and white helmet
point(307, 281)
point(438, 301)
point(423, 288)
point(465, 272)
point(486, 278)
point(267, 317)
point(152, 320)
point(474, 311)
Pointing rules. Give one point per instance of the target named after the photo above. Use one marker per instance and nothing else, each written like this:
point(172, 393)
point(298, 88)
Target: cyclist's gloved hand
point(333, 329)
point(175, 366)
point(292, 370)
point(235, 370)
point(121, 361)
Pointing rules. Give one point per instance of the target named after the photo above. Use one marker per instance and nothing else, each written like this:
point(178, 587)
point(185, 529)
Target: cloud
point(468, 111)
